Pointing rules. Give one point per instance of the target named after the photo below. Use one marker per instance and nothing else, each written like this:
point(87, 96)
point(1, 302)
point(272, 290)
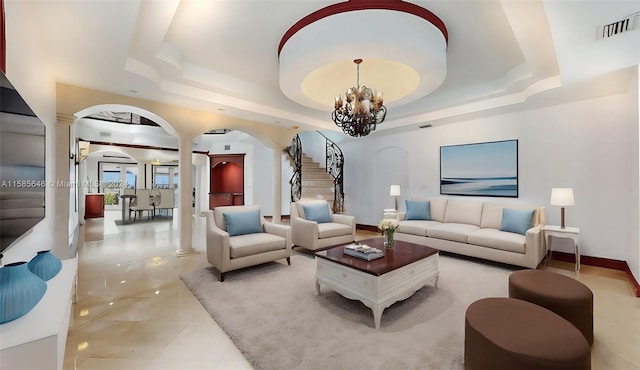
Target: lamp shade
point(394, 191)
point(562, 197)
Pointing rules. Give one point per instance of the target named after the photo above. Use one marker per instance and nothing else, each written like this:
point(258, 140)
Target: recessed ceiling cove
point(403, 47)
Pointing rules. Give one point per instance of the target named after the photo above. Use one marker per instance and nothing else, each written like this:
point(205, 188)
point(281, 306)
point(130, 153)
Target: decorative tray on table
point(362, 251)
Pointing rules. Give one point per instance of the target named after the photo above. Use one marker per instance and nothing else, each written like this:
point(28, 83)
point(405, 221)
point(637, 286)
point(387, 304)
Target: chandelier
point(361, 110)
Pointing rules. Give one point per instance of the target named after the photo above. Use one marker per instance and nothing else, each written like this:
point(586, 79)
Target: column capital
point(65, 119)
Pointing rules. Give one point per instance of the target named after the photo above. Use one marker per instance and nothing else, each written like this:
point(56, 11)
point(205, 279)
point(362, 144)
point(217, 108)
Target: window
point(113, 178)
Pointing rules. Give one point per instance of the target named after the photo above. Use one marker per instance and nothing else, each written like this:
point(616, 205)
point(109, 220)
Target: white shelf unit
point(37, 340)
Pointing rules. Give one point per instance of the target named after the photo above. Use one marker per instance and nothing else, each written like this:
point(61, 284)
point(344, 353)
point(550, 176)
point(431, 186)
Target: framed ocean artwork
point(482, 169)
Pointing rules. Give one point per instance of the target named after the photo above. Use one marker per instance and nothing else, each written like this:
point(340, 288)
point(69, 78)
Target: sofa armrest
point(279, 230)
point(303, 232)
point(534, 243)
point(218, 244)
point(343, 219)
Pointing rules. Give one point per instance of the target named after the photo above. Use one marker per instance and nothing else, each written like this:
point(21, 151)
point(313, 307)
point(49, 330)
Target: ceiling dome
point(403, 47)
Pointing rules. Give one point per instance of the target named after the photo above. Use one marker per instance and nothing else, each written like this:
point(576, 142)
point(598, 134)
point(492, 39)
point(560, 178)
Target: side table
point(572, 233)
point(390, 213)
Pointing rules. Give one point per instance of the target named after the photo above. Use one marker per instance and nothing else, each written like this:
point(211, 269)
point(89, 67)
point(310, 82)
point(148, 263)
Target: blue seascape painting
point(482, 169)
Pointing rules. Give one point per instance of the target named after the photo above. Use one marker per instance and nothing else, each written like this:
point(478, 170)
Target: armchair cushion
point(418, 210)
point(241, 223)
point(331, 229)
point(317, 212)
point(516, 220)
point(252, 244)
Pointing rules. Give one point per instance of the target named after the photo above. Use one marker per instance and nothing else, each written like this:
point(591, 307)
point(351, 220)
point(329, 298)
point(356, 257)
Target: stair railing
point(335, 167)
point(295, 152)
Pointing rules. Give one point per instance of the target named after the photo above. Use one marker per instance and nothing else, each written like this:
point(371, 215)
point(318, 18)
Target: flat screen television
point(22, 166)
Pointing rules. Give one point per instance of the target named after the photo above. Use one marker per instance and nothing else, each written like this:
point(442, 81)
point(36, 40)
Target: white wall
point(263, 173)
point(25, 71)
point(633, 248)
point(583, 145)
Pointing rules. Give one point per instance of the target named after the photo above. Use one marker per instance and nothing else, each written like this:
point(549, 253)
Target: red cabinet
point(94, 206)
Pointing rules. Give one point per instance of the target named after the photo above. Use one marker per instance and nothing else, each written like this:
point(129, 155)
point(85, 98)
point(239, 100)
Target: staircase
point(310, 181)
point(316, 182)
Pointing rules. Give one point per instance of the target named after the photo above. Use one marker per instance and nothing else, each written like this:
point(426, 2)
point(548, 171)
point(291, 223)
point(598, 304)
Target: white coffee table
point(379, 283)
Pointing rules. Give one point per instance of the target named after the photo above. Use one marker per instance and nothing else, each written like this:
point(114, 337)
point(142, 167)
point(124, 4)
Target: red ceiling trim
point(357, 5)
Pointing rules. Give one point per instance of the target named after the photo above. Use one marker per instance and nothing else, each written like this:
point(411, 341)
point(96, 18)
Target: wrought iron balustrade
point(295, 152)
point(335, 167)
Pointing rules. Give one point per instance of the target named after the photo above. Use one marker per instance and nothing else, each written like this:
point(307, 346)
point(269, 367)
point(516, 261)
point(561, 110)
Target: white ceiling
point(502, 55)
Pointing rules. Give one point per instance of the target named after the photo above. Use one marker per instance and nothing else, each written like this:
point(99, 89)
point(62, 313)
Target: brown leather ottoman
point(561, 294)
point(506, 333)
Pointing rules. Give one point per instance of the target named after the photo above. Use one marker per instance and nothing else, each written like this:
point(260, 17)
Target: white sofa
point(472, 228)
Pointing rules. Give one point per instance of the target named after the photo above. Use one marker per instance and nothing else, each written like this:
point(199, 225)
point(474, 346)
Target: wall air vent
point(105, 134)
point(426, 126)
point(628, 23)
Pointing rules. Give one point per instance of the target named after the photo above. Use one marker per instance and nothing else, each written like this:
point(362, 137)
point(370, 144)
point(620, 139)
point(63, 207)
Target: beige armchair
point(308, 233)
point(239, 236)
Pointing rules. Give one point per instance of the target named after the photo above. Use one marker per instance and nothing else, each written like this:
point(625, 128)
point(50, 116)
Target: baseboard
point(599, 262)
point(282, 217)
point(367, 228)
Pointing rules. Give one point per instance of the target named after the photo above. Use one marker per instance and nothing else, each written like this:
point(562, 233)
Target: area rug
point(274, 316)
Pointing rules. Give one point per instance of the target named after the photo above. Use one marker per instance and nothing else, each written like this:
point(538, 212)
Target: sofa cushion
point(463, 212)
point(492, 214)
point(452, 231)
point(331, 229)
point(317, 212)
point(497, 239)
point(416, 227)
point(437, 207)
point(252, 244)
point(516, 220)
point(219, 212)
point(418, 210)
point(240, 223)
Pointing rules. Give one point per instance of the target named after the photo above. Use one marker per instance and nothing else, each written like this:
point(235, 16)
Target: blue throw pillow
point(240, 223)
point(317, 212)
point(516, 220)
point(418, 210)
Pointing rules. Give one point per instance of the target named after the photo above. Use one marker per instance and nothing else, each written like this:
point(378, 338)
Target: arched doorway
point(226, 182)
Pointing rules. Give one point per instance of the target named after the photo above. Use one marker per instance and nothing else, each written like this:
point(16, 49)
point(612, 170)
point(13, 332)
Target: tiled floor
point(134, 312)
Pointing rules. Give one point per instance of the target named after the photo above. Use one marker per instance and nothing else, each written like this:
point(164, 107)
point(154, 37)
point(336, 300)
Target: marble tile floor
point(132, 311)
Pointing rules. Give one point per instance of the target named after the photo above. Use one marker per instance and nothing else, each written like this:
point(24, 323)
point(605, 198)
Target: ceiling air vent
point(227, 147)
point(628, 23)
point(105, 134)
point(425, 126)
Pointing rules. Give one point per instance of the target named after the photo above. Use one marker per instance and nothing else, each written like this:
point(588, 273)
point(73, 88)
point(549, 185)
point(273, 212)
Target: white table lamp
point(394, 191)
point(562, 197)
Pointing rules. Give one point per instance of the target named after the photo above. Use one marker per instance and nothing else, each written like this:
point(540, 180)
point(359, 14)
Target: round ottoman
point(506, 333)
point(561, 294)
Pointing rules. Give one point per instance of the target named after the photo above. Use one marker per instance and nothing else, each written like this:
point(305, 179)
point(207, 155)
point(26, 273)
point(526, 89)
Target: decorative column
point(59, 197)
point(277, 184)
point(142, 175)
point(185, 187)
